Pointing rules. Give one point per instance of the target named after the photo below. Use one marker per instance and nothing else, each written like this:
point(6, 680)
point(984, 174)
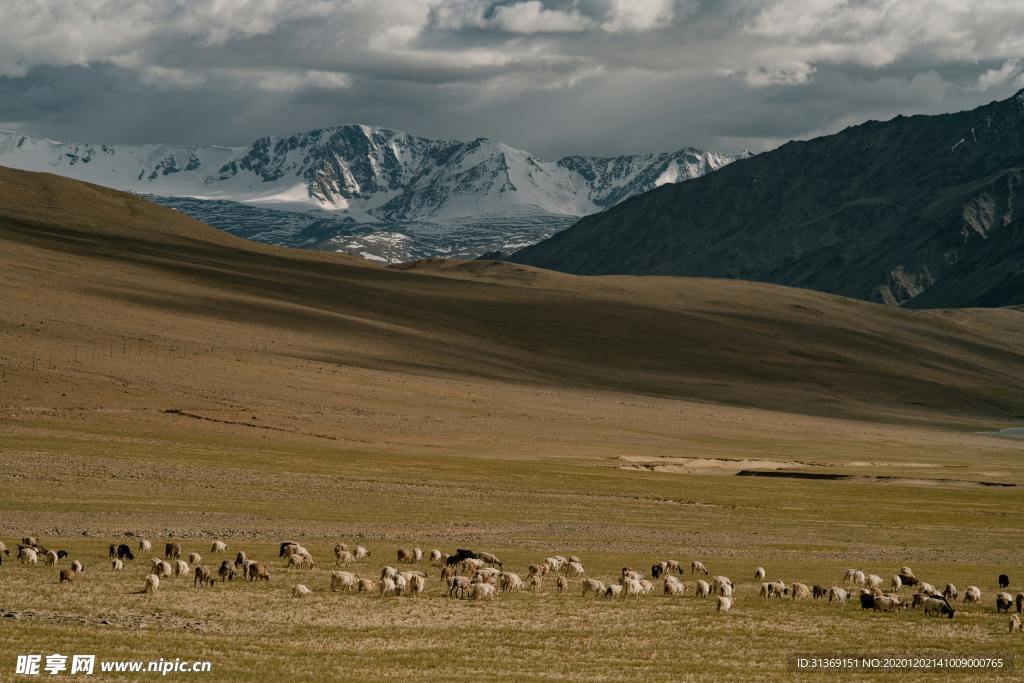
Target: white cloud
point(1009, 72)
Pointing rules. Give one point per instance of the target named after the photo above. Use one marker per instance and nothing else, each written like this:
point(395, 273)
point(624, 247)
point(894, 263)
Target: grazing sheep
point(436, 557)
point(632, 587)
point(226, 571)
point(674, 586)
point(720, 582)
point(867, 600)
point(658, 569)
point(258, 572)
point(575, 569)
point(152, 584)
point(773, 588)
point(194, 558)
point(300, 591)
point(919, 599)
point(926, 588)
point(124, 552)
point(873, 581)
point(799, 591)
point(61, 554)
point(172, 551)
point(403, 555)
point(562, 584)
point(837, 595)
point(4, 550)
point(1004, 581)
point(490, 560)
point(66, 576)
point(30, 540)
point(297, 561)
point(593, 586)
point(724, 603)
point(27, 555)
point(417, 555)
point(361, 553)
point(703, 588)
point(417, 584)
point(240, 558)
point(112, 552)
point(760, 574)
point(486, 575)
point(51, 559)
point(388, 572)
point(458, 584)
point(472, 564)
point(1020, 602)
point(1004, 602)
point(344, 581)
point(481, 591)
point(628, 573)
point(145, 545)
point(366, 586)
point(77, 567)
point(897, 583)
point(887, 603)
point(203, 577)
point(555, 563)
point(848, 575)
point(283, 552)
point(818, 591)
point(674, 566)
point(972, 595)
point(938, 606)
point(537, 569)
point(698, 568)
point(345, 557)
point(1015, 624)
point(949, 592)
point(164, 569)
point(218, 547)
point(510, 582)
point(613, 590)
point(859, 578)
point(116, 565)
point(180, 567)
point(534, 583)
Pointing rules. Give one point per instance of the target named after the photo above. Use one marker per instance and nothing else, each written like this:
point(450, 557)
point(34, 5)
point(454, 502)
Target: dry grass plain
point(164, 380)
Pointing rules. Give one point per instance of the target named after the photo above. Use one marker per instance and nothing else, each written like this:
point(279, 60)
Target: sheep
point(284, 552)
point(30, 540)
point(926, 588)
point(658, 569)
point(300, 590)
point(156, 562)
point(938, 606)
point(897, 583)
point(799, 591)
point(837, 595)
point(194, 558)
point(66, 575)
point(632, 587)
point(77, 567)
point(972, 595)
point(172, 551)
point(417, 584)
point(575, 569)
point(481, 591)
point(152, 584)
point(1004, 581)
point(818, 591)
point(203, 577)
point(226, 571)
point(116, 565)
point(124, 552)
point(646, 587)
point(919, 599)
point(873, 581)
point(218, 547)
point(719, 582)
point(487, 575)
point(27, 555)
point(859, 578)
point(145, 545)
point(1004, 602)
point(534, 583)
point(703, 588)
point(343, 581)
point(886, 603)
point(447, 572)
point(361, 553)
point(240, 558)
point(388, 572)
point(673, 586)
point(510, 582)
point(537, 569)
point(297, 561)
point(848, 575)
point(164, 570)
point(344, 557)
point(112, 552)
point(490, 560)
point(258, 572)
point(628, 573)
point(471, 564)
point(51, 559)
point(760, 574)
point(436, 557)
point(458, 584)
point(180, 567)
point(698, 568)
point(4, 550)
point(867, 600)
point(562, 585)
point(366, 586)
point(1020, 602)
point(770, 588)
point(555, 563)
point(949, 592)
point(674, 566)
point(403, 555)
point(724, 603)
point(613, 590)
point(1015, 624)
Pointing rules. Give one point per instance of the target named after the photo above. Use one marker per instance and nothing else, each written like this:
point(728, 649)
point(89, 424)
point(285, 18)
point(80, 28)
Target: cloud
point(552, 76)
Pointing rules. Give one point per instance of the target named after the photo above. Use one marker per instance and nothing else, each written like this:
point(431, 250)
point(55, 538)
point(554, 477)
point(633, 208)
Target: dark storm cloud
point(555, 77)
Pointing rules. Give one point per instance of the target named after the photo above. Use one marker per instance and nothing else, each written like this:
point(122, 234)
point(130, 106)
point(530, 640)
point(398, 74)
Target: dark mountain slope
point(924, 211)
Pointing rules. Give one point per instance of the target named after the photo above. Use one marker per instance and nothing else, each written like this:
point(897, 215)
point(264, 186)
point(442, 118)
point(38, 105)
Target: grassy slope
point(483, 406)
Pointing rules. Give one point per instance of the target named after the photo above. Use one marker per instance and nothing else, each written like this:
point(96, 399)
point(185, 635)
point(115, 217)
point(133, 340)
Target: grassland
point(163, 380)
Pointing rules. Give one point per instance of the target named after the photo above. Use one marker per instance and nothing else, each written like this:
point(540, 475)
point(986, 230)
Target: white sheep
point(180, 567)
point(799, 591)
point(194, 558)
point(631, 574)
point(300, 561)
point(417, 555)
point(51, 558)
point(145, 544)
point(344, 581)
point(674, 586)
point(1004, 602)
point(849, 575)
point(562, 585)
point(164, 571)
point(719, 582)
point(116, 565)
point(152, 583)
point(703, 588)
point(724, 603)
point(77, 567)
point(926, 588)
point(534, 583)
point(950, 591)
point(366, 586)
point(510, 582)
point(417, 584)
point(481, 591)
point(361, 553)
point(897, 583)
point(388, 586)
point(613, 590)
point(220, 547)
point(300, 591)
point(401, 583)
point(388, 572)
point(344, 557)
point(28, 555)
point(435, 557)
point(697, 567)
point(673, 566)
point(760, 574)
point(646, 586)
point(873, 581)
point(972, 594)
point(555, 563)
point(859, 578)
point(575, 569)
point(632, 586)
point(1015, 624)
point(593, 586)
point(838, 595)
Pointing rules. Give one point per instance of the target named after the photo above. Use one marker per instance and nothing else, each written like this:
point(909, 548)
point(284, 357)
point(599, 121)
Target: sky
point(555, 77)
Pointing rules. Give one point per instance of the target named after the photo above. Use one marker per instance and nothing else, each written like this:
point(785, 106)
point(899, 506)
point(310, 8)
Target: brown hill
point(110, 302)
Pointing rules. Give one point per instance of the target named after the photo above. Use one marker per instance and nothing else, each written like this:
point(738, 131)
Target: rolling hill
point(920, 211)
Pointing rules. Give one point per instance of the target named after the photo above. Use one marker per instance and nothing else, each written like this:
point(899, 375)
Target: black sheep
point(1004, 581)
point(61, 554)
point(124, 552)
point(867, 601)
point(656, 570)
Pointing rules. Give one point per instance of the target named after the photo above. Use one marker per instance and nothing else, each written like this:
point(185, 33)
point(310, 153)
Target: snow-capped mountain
point(344, 185)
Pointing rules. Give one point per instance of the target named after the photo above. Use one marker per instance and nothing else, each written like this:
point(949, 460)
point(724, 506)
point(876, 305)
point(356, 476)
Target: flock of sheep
point(480, 575)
